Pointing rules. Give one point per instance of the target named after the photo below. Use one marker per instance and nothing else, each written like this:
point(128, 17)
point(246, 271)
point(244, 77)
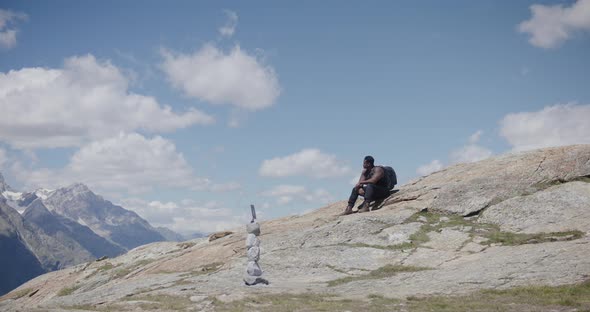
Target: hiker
point(372, 185)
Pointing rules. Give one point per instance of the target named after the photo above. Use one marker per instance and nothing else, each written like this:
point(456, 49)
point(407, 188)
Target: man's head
point(368, 162)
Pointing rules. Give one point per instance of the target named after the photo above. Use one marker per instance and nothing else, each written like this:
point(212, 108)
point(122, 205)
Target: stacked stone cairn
point(253, 270)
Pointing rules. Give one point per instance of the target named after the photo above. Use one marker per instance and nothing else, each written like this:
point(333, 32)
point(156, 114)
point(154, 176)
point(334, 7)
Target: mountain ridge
point(77, 227)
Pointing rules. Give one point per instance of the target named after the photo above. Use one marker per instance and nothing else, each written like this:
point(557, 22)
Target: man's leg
point(354, 195)
point(373, 192)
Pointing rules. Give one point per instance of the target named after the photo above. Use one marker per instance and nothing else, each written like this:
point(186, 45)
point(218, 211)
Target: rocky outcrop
point(513, 220)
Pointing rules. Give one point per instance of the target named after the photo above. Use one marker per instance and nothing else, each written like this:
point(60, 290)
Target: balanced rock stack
point(253, 271)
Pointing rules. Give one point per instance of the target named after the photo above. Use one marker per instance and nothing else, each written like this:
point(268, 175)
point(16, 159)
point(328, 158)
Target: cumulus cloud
point(187, 216)
point(471, 152)
point(229, 28)
point(7, 31)
point(285, 194)
point(309, 162)
point(427, 169)
point(557, 125)
point(125, 163)
point(236, 78)
point(86, 99)
point(552, 25)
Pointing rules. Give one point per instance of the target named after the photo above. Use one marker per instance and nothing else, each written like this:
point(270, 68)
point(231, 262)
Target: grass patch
point(531, 298)
point(513, 239)
point(122, 272)
point(66, 291)
point(382, 272)
point(83, 307)
point(206, 269)
point(491, 232)
point(306, 302)
point(103, 268)
point(162, 302)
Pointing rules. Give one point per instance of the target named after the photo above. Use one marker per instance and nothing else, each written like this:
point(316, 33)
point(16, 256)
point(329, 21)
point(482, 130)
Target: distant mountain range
point(46, 230)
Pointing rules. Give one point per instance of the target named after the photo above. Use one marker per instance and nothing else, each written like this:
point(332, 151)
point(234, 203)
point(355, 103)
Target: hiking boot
point(364, 208)
point(347, 211)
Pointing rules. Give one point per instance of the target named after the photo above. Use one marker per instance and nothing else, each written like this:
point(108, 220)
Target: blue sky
point(187, 112)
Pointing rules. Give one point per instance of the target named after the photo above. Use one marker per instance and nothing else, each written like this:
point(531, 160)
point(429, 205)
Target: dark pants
point(372, 192)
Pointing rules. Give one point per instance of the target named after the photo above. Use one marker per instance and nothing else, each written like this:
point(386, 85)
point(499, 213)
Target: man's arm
point(361, 178)
point(378, 174)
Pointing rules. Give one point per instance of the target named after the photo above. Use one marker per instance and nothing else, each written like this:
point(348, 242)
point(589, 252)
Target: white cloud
point(126, 163)
point(236, 78)
point(285, 194)
point(8, 34)
point(308, 162)
point(186, 216)
point(471, 152)
point(427, 169)
point(474, 138)
point(229, 28)
point(552, 25)
point(562, 124)
point(85, 100)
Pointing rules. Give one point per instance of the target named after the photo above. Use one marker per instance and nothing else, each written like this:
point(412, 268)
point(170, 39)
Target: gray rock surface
point(440, 251)
point(559, 208)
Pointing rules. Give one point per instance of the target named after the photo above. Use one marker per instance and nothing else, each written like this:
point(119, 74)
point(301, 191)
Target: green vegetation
point(306, 302)
point(84, 307)
point(490, 232)
point(67, 290)
point(103, 268)
point(161, 302)
point(512, 239)
point(382, 272)
point(530, 298)
point(122, 272)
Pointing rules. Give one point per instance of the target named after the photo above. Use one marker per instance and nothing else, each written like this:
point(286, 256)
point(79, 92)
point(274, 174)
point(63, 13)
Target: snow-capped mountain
point(115, 223)
point(45, 230)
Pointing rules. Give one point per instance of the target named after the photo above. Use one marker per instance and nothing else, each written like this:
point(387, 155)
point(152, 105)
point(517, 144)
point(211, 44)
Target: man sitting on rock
point(372, 185)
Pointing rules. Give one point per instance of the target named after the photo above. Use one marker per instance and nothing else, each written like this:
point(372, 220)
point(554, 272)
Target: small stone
point(253, 228)
point(444, 219)
point(197, 298)
point(252, 241)
point(253, 269)
point(253, 280)
point(254, 253)
point(422, 219)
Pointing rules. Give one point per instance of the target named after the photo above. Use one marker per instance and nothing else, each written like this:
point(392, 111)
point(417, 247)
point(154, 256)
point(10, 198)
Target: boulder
point(559, 208)
point(253, 269)
point(253, 228)
point(252, 241)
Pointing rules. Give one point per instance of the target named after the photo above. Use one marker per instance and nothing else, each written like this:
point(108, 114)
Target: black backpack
point(390, 177)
